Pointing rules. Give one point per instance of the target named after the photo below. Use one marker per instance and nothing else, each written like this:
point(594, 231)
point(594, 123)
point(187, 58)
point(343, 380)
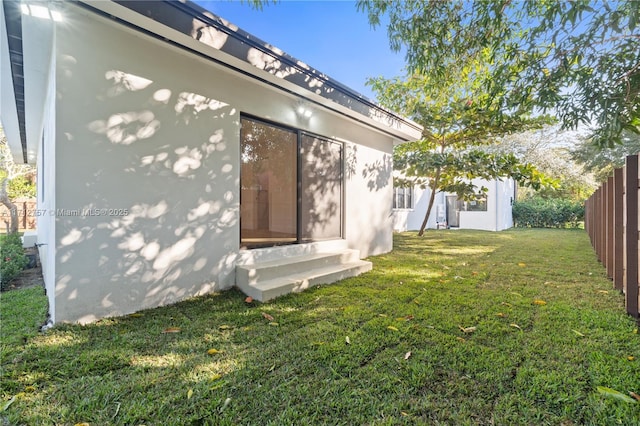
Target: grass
point(407, 360)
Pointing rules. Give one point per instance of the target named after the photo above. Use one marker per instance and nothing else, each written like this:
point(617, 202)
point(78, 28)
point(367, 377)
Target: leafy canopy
point(459, 120)
point(580, 59)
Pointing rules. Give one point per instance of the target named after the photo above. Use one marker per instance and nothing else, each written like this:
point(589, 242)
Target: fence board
point(611, 220)
point(631, 184)
point(618, 228)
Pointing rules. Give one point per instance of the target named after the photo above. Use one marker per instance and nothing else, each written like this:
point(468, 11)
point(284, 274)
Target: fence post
point(609, 226)
point(618, 231)
point(631, 282)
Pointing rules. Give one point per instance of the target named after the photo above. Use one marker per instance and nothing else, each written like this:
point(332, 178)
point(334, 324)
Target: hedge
point(12, 258)
point(548, 213)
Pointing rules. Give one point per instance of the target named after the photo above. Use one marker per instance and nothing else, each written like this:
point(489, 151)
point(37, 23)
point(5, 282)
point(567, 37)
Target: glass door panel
point(268, 185)
point(321, 189)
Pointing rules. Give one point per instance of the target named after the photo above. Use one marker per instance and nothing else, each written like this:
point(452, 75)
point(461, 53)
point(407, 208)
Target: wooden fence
point(611, 220)
point(26, 209)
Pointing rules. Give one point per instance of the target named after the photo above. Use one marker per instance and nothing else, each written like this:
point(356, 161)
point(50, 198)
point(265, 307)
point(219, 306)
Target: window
point(290, 186)
point(402, 198)
point(477, 205)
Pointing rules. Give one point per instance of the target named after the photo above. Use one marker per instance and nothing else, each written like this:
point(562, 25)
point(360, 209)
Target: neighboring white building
point(172, 147)
point(493, 213)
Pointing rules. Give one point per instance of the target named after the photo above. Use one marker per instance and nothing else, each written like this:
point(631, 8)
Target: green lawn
point(387, 347)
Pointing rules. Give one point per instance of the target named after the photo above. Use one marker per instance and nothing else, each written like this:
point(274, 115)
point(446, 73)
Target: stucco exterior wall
point(498, 216)
point(147, 170)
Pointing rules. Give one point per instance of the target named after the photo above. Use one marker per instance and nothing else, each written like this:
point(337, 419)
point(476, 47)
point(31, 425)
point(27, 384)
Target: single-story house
point(490, 213)
point(178, 155)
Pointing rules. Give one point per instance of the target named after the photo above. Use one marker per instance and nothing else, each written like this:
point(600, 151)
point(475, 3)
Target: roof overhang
point(12, 109)
point(26, 47)
point(26, 44)
point(197, 30)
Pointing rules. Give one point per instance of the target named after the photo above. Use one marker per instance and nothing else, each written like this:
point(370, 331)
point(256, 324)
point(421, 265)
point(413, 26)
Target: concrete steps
point(265, 280)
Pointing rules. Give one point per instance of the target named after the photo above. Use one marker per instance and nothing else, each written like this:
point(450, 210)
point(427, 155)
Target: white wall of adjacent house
point(147, 170)
point(411, 217)
point(497, 217)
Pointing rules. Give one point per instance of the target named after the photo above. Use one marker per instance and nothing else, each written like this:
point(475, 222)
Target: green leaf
point(611, 393)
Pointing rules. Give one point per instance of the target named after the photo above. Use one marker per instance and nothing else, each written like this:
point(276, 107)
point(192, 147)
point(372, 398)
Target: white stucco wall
point(147, 170)
point(498, 216)
point(46, 197)
point(411, 219)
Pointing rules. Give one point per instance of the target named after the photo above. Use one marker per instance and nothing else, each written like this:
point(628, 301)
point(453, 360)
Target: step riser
point(250, 274)
point(289, 286)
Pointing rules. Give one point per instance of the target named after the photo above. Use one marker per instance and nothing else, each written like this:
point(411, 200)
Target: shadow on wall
point(221, 35)
point(148, 215)
point(378, 174)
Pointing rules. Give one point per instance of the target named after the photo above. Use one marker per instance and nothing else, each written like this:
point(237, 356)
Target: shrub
point(548, 213)
point(12, 258)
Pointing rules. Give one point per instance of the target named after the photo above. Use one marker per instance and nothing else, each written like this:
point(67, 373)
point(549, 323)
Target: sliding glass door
point(291, 186)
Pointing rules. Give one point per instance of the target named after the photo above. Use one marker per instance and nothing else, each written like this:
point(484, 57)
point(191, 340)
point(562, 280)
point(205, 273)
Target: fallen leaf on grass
point(603, 291)
point(82, 424)
point(635, 395)
point(522, 264)
point(226, 403)
point(630, 358)
point(382, 315)
point(189, 393)
point(213, 351)
point(7, 404)
point(171, 330)
point(516, 294)
point(539, 302)
point(402, 413)
point(578, 333)
point(392, 328)
point(416, 302)
point(267, 316)
point(225, 327)
point(506, 304)
point(500, 314)
point(215, 377)
point(460, 339)
point(407, 355)
point(611, 393)
point(347, 340)
point(467, 330)
point(514, 325)
point(407, 318)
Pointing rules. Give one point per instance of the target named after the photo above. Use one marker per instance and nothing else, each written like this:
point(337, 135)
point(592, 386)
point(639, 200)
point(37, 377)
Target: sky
point(330, 36)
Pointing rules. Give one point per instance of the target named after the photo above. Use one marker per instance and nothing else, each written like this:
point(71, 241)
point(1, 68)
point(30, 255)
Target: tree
point(550, 150)
point(458, 122)
point(10, 172)
point(579, 59)
point(602, 162)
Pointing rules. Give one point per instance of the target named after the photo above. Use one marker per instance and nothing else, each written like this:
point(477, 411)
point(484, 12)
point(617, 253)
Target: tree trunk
point(13, 211)
point(432, 199)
